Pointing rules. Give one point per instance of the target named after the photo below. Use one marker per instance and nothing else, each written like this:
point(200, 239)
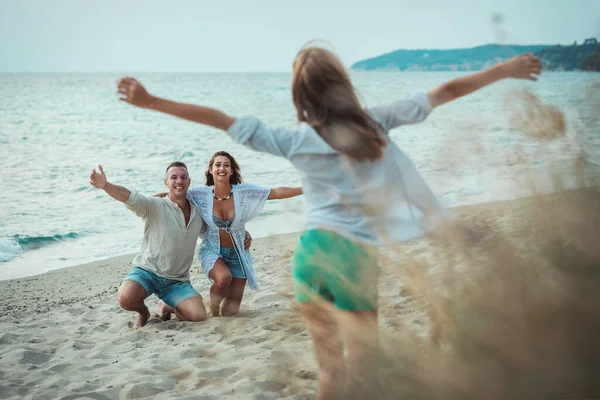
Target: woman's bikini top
point(225, 225)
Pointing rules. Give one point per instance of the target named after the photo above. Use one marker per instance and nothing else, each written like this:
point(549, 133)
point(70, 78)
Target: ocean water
point(55, 128)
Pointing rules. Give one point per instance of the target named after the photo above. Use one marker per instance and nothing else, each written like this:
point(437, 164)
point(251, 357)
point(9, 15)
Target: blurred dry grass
point(510, 311)
point(515, 316)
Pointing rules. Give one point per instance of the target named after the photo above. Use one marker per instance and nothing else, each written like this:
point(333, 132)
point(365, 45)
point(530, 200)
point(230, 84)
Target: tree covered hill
point(566, 58)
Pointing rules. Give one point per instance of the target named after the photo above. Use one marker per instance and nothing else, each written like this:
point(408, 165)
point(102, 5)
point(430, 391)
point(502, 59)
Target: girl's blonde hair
point(325, 99)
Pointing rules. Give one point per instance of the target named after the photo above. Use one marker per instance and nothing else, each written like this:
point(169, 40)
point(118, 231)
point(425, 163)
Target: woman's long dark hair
point(236, 172)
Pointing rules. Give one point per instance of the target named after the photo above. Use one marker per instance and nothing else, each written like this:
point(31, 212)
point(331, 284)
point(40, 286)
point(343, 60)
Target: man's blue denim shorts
point(170, 291)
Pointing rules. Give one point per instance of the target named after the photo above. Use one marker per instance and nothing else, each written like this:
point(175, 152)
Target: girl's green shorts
point(330, 267)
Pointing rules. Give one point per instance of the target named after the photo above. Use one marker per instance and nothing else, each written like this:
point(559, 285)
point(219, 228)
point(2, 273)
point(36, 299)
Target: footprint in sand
point(90, 396)
point(282, 357)
point(268, 299)
point(202, 364)
point(10, 391)
point(141, 391)
point(154, 319)
point(34, 357)
point(190, 353)
point(274, 327)
point(98, 355)
point(128, 337)
point(221, 329)
point(218, 373)
point(201, 382)
point(293, 328)
point(9, 338)
point(101, 327)
point(93, 367)
point(306, 375)
point(76, 311)
point(271, 386)
point(301, 397)
point(146, 371)
point(265, 396)
point(249, 341)
point(57, 382)
point(59, 368)
point(82, 345)
point(207, 353)
point(180, 374)
point(82, 330)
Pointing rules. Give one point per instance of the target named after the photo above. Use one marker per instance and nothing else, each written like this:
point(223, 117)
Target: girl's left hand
point(133, 92)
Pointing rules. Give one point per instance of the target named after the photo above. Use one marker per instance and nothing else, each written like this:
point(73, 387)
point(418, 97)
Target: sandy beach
point(63, 335)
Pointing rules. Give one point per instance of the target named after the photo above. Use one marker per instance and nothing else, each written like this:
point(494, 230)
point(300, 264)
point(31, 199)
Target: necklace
point(222, 198)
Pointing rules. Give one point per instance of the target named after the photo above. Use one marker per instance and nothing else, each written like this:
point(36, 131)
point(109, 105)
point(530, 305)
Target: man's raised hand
point(98, 180)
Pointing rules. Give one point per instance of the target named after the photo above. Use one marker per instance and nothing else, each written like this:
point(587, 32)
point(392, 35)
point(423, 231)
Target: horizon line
point(285, 72)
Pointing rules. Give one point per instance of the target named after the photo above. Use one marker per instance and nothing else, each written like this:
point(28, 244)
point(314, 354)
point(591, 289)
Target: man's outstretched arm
point(141, 205)
point(99, 181)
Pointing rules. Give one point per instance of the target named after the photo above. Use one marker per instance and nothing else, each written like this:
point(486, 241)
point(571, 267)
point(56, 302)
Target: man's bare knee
point(196, 316)
point(127, 301)
point(130, 294)
point(192, 310)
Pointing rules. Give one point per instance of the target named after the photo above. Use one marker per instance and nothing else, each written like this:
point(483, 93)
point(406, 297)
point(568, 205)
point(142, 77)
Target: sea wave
point(9, 249)
point(17, 244)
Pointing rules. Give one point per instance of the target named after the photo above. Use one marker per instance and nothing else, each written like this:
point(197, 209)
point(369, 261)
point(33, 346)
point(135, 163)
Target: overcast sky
point(264, 35)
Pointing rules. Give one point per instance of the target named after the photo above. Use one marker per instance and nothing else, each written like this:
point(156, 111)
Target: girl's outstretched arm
point(133, 92)
point(524, 66)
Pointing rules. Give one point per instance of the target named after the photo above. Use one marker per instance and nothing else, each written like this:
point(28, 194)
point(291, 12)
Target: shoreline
point(52, 258)
point(459, 210)
point(86, 282)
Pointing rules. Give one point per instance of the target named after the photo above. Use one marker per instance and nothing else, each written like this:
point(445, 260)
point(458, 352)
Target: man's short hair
point(176, 164)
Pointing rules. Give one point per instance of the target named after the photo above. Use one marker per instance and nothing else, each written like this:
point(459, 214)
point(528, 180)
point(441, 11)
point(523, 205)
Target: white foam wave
point(9, 249)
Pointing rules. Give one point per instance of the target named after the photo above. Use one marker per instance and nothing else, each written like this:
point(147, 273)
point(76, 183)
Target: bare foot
point(165, 310)
point(228, 312)
point(215, 311)
point(142, 319)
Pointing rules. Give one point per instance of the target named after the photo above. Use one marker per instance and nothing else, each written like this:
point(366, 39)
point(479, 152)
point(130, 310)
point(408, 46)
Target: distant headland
point(574, 57)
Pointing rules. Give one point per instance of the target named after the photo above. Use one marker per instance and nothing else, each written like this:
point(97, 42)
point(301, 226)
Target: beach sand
point(63, 335)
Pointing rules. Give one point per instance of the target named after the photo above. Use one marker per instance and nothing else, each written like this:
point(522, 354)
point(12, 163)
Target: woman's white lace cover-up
point(248, 201)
